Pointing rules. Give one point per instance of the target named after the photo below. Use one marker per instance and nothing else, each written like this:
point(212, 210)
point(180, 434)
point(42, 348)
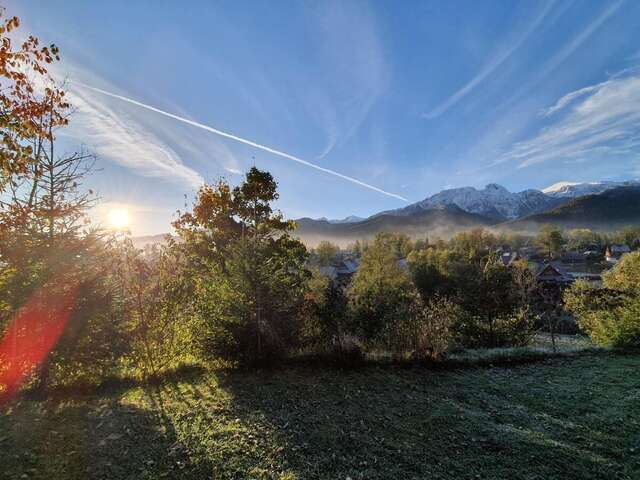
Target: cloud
point(490, 66)
point(123, 140)
point(243, 140)
point(579, 39)
point(568, 98)
point(349, 44)
point(564, 53)
point(601, 120)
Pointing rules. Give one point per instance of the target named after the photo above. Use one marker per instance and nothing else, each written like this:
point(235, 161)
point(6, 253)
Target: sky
point(354, 107)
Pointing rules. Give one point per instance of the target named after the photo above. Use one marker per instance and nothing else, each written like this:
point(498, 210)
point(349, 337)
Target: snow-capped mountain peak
point(493, 201)
point(558, 187)
point(575, 189)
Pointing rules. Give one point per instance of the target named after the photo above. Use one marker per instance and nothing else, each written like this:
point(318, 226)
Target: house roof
point(509, 257)
point(552, 272)
point(619, 249)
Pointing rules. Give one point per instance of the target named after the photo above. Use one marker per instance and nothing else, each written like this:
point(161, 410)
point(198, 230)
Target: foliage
point(326, 252)
point(31, 106)
point(550, 238)
point(427, 331)
point(248, 273)
point(610, 316)
point(581, 239)
point(251, 312)
point(630, 236)
point(152, 302)
point(495, 298)
point(327, 316)
point(381, 295)
point(473, 244)
point(431, 270)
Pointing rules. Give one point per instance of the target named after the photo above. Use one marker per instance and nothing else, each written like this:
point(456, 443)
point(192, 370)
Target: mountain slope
point(609, 210)
point(442, 221)
point(494, 201)
point(574, 190)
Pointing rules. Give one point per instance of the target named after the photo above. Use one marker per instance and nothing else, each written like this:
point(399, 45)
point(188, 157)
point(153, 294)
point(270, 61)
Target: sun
point(119, 219)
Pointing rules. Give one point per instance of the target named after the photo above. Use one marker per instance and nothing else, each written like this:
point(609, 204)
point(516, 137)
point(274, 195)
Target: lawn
point(573, 417)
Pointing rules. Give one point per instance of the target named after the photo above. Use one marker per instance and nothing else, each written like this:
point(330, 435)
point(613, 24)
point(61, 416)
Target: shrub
point(381, 296)
point(251, 313)
point(610, 315)
point(327, 317)
point(427, 334)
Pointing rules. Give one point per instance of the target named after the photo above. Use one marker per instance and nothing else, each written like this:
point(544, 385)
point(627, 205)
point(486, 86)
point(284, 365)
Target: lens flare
point(119, 219)
point(32, 334)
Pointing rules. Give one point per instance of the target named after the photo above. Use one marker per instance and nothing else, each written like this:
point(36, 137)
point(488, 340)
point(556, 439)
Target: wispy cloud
point(349, 44)
point(497, 60)
point(123, 140)
point(243, 140)
point(602, 120)
point(560, 56)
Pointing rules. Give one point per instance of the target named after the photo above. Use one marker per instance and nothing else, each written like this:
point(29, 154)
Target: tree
point(630, 236)
point(381, 293)
point(248, 272)
point(610, 315)
point(431, 270)
point(326, 252)
point(328, 325)
point(26, 94)
point(152, 304)
point(583, 239)
point(496, 300)
point(550, 238)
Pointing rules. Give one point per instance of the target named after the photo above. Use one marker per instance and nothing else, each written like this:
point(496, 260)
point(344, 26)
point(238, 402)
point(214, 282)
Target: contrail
point(242, 140)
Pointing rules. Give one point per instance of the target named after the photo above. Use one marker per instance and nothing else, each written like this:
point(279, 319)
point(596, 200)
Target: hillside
point(494, 202)
point(609, 210)
point(442, 222)
point(540, 420)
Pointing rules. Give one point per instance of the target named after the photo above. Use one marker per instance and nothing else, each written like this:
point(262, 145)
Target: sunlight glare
point(119, 219)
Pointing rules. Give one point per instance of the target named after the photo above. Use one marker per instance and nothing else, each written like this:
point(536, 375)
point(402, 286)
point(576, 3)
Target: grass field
point(576, 417)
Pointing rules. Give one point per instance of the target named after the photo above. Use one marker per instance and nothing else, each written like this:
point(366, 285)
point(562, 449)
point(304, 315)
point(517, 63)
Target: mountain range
point(599, 205)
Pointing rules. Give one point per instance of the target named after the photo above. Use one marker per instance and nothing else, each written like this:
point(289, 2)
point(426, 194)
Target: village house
point(341, 270)
point(613, 253)
point(553, 274)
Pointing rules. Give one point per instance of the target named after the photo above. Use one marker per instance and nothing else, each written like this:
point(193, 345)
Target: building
point(509, 257)
point(613, 253)
point(554, 274)
point(341, 270)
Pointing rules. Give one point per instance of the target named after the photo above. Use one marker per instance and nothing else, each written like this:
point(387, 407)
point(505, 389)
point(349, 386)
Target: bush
point(513, 329)
point(326, 323)
point(427, 333)
point(251, 314)
point(610, 315)
point(381, 296)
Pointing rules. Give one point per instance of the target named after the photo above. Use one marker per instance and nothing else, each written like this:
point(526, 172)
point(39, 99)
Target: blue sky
point(406, 97)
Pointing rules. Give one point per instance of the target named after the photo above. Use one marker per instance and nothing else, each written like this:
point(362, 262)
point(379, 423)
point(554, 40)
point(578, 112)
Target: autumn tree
point(247, 271)
point(27, 94)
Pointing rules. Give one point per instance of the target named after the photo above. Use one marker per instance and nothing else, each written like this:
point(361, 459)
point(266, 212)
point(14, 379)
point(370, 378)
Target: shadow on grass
point(97, 438)
point(384, 422)
point(115, 385)
point(567, 417)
